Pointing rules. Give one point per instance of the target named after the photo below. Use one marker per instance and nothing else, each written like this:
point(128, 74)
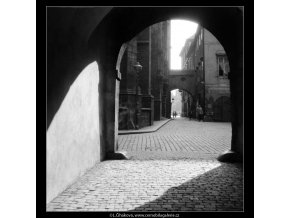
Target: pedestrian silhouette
point(174, 114)
point(199, 113)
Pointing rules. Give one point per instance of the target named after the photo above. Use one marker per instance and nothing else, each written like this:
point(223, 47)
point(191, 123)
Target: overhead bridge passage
point(182, 79)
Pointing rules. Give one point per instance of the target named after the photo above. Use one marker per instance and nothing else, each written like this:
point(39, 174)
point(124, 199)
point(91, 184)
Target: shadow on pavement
point(220, 189)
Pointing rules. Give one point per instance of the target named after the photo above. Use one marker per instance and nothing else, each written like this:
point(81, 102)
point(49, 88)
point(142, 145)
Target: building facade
point(144, 95)
point(204, 54)
point(186, 104)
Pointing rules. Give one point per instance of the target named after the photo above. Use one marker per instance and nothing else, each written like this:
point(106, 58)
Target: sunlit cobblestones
point(175, 173)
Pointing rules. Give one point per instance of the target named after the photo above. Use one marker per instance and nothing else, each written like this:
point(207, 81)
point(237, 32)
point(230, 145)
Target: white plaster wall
point(73, 139)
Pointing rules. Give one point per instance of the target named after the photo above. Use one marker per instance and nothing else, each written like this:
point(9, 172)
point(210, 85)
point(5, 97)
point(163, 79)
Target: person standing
point(199, 113)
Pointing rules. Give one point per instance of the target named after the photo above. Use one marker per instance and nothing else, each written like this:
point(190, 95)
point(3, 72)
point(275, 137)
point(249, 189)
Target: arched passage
point(186, 100)
point(182, 81)
point(80, 36)
point(106, 41)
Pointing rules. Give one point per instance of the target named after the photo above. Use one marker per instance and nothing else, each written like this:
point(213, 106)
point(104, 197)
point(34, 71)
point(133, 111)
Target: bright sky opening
point(173, 92)
point(180, 31)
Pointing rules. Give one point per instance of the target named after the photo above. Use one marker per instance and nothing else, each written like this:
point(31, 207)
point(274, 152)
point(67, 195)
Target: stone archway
point(80, 36)
point(106, 41)
point(183, 79)
point(187, 100)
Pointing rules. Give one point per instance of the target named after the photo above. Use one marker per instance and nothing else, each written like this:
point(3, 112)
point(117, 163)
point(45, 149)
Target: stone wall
point(73, 138)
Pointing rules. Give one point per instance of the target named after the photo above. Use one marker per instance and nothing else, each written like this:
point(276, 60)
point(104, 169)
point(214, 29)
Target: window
point(223, 65)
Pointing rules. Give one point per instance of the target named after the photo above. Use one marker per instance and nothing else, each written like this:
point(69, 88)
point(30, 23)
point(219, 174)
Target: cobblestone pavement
point(179, 138)
point(186, 178)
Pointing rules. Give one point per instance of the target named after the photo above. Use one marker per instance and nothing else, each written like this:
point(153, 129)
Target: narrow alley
point(172, 169)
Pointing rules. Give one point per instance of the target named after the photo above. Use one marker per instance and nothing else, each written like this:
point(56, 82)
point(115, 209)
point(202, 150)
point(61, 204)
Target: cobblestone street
point(172, 169)
point(178, 139)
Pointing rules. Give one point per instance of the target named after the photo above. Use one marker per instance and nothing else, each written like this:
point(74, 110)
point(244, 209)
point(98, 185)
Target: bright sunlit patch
point(180, 31)
point(171, 176)
point(130, 185)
